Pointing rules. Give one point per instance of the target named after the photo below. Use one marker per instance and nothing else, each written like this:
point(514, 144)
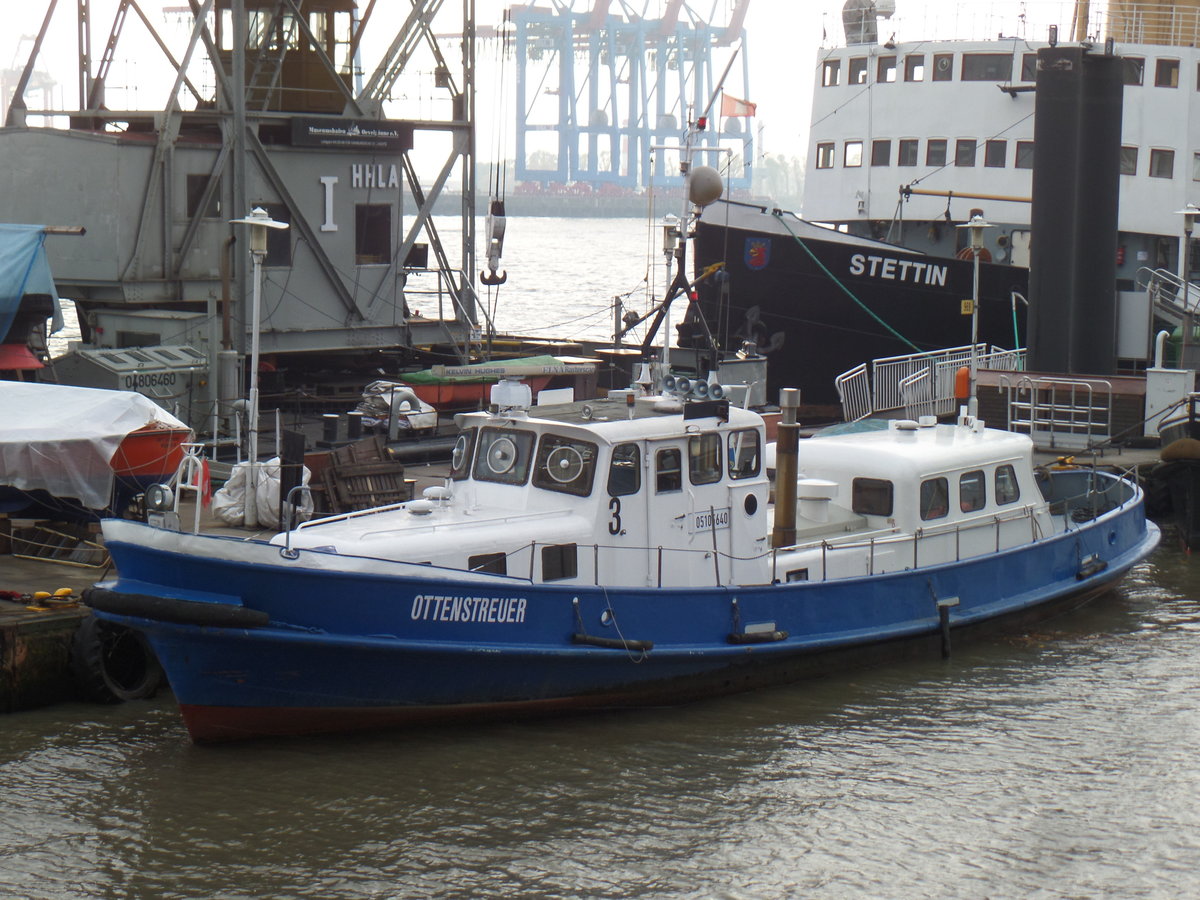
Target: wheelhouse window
point(744, 458)
point(1007, 489)
point(460, 456)
point(1166, 73)
point(935, 152)
point(886, 72)
point(372, 234)
point(943, 66)
point(914, 67)
point(1129, 157)
point(986, 67)
point(995, 154)
point(668, 474)
point(1024, 157)
point(565, 465)
point(625, 470)
point(1134, 69)
point(964, 152)
point(871, 496)
point(935, 498)
point(831, 72)
point(825, 155)
point(1162, 163)
point(1196, 166)
point(1029, 67)
point(560, 561)
point(854, 154)
point(881, 153)
point(492, 563)
point(503, 455)
point(856, 72)
point(704, 458)
point(972, 492)
point(906, 152)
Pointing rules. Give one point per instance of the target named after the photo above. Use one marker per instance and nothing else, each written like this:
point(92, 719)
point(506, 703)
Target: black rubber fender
point(112, 663)
point(171, 609)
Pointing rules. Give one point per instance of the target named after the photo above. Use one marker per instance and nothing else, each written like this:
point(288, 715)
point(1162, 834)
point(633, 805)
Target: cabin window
point(935, 498)
point(1134, 69)
point(881, 153)
point(1007, 489)
point(972, 494)
point(1129, 157)
point(1029, 67)
point(914, 67)
point(279, 240)
point(825, 156)
point(854, 154)
point(830, 72)
point(995, 154)
point(1196, 166)
point(1166, 73)
point(1162, 163)
point(492, 563)
point(743, 454)
point(196, 186)
point(857, 72)
point(669, 471)
point(1024, 159)
point(987, 67)
point(964, 152)
point(906, 152)
point(943, 66)
point(372, 233)
point(625, 470)
point(559, 561)
point(796, 575)
point(503, 455)
point(565, 465)
point(871, 497)
point(886, 73)
point(460, 456)
point(935, 152)
point(704, 458)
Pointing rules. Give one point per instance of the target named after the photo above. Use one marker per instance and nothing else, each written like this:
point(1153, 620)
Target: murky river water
point(1058, 764)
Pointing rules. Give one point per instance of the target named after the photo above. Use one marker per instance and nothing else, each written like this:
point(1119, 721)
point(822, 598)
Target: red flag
point(732, 107)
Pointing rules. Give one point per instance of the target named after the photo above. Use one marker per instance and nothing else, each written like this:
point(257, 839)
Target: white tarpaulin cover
point(61, 439)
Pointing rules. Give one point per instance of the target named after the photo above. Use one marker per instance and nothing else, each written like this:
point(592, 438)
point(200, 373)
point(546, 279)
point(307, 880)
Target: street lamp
point(259, 222)
point(975, 225)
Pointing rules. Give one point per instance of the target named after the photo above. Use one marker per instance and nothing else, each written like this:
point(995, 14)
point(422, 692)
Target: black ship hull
point(819, 302)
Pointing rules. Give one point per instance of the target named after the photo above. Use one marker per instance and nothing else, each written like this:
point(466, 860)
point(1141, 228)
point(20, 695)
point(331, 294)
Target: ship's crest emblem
point(758, 252)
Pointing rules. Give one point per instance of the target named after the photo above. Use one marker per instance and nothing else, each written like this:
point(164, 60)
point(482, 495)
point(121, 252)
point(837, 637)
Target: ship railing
point(1060, 412)
point(1174, 298)
point(854, 390)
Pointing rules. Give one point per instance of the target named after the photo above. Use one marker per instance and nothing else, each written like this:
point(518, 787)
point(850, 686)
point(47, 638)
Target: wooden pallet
point(361, 475)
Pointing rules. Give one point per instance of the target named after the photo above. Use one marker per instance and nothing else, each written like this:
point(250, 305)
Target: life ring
point(112, 663)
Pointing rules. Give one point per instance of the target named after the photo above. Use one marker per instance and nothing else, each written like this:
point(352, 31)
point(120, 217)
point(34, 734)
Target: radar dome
point(704, 185)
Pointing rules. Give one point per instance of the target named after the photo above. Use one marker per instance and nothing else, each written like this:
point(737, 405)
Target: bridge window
point(972, 491)
point(704, 458)
point(279, 240)
point(906, 154)
point(857, 72)
point(1024, 158)
point(372, 233)
point(914, 67)
point(887, 69)
point(881, 153)
point(825, 156)
point(1166, 73)
point(669, 474)
point(995, 154)
point(1029, 67)
point(871, 496)
point(987, 67)
point(935, 498)
point(1007, 489)
point(460, 456)
point(559, 561)
point(625, 470)
point(743, 453)
point(964, 152)
point(943, 66)
point(503, 455)
point(830, 72)
point(854, 154)
point(1134, 69)
point(565, 465)
point(1129, 157)
point(935, 152)
point(1162, 163)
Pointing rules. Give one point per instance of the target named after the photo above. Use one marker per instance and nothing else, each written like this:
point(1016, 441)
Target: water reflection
point(1059, 762)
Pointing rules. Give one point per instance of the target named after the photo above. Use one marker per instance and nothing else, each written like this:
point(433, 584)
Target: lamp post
point(975, 226)
point(259, 222)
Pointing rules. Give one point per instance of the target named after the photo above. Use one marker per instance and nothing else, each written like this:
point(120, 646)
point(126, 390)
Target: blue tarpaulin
point(24, 269)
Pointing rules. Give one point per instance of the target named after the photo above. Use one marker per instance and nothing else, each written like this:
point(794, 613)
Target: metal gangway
point(1060, 413)
point(918, 383)
point(1172, 298)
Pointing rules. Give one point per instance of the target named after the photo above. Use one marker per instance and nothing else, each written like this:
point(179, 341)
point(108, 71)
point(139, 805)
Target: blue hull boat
point(616, 553)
